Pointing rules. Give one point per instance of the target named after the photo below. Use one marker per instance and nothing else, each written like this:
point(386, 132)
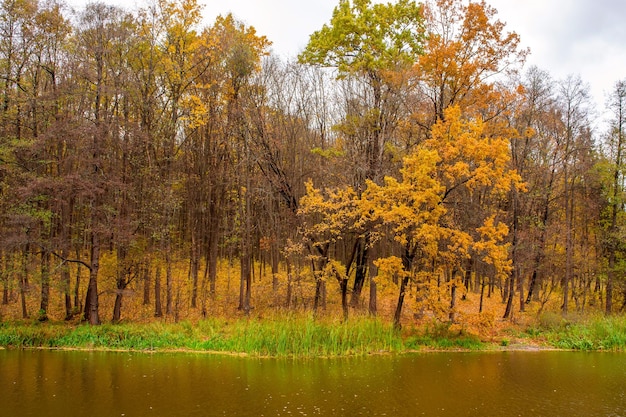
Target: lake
point(76, 383)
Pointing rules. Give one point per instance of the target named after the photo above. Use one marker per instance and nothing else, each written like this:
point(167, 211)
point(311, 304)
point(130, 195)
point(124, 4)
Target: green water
point(54, 383)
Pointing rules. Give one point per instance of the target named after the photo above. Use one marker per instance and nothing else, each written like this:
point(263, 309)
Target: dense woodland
point(153, 165)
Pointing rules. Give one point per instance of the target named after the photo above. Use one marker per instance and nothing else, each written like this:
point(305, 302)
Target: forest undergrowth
point(272, 329)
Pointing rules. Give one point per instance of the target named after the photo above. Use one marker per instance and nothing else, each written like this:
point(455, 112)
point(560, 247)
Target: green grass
point(584, 333)
point(439, 336)
point(300, 336)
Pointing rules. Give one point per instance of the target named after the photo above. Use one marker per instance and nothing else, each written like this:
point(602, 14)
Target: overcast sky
point(580, 37)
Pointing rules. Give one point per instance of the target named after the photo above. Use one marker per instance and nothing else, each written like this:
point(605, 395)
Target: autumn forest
point(407, 165)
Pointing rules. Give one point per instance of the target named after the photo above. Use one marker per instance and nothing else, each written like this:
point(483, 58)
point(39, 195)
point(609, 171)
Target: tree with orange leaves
point(461, 160)
point(466, 51)
point(369, 44)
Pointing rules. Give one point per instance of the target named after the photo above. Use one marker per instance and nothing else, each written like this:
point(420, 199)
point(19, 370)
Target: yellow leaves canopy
point(470, 157)
point(460, 159)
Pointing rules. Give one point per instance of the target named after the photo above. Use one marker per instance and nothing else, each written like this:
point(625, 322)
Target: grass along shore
point(304, 336)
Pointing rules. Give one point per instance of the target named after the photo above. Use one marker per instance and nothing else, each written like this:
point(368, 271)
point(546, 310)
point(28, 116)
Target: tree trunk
point(531, 287)
point(317, 299)
point(245, 283)
point(146, 283)
point(121, 283)
point(212, 263)
point(510, 295)
point(77, 300)
point(407, 264)
point(288, 294)
point(569, 249)
point(66, 278)
point(372, 307)
point(24, 282)
point(91, 301)
point(194, 270)
point(398, 314)
point(5, 274)
point(609, 283)
point(343, 283)
point(451, 316)
point(360, 270)
point(158, 308)
point(117, 307)
point(467, 280)
point(168, 279)
point(482, 293)
point(275, 256)
point(45, 286)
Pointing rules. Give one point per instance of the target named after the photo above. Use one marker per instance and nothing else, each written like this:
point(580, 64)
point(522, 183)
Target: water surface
point(61, 383)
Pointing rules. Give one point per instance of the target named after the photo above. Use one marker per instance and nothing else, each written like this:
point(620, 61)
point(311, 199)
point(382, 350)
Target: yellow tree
point(179, 44)
point(369, 44)
point(421, 209)
point(219, 140)
point(329, 217)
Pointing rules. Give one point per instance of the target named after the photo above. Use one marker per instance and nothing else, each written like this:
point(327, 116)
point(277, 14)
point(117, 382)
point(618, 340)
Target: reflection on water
point(54, 383)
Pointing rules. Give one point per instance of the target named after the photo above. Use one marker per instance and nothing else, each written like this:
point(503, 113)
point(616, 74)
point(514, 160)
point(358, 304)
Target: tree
point(369, 45)
point(100, 40)
point(466, 54)
point(180, 67)
point(461, 158)
point(574, 145)
point(329, 218)
point(614, 184)
point(536, 160)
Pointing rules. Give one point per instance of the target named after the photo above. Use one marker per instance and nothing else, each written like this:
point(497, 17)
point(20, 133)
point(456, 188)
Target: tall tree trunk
point(398, 313)
point(65, 272)
point(515, 273)
point(245, 279)
point(288, 293)
point(317, 299)
point(212, 258)
point(540, 249)
point(169, 295)
point(510, 284)
point(158, 308)
point(65, 282)
point(5, 277)
point(194, 269)
point(91, 313)
point(121, 283)
point(609, 283)
point(407, 264)
point(117, 307)
point(372, 307)
point(361, 269)
point(569, 246)
point(24, 281)
point(146, 271)
point(483, 284)
point(45, 286)
point(451, 316)
point(343, 283)
point(275, 256)
point(77, 300)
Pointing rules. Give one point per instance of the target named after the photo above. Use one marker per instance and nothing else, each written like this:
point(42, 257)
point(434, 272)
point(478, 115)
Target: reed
point(297, 336)
point(584, 333)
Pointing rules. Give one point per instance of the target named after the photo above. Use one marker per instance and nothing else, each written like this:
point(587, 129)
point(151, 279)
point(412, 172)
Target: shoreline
point(487, 349)
point(305, 337)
